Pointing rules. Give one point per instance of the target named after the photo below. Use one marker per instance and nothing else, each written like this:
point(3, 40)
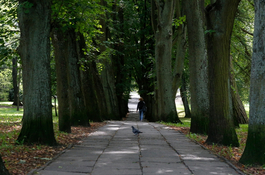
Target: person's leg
point(142, 115)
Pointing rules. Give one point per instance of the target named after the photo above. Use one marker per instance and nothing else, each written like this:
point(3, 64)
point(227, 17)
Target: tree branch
point(247, 32)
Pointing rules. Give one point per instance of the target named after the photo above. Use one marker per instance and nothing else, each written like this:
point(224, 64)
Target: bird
point(136, 131)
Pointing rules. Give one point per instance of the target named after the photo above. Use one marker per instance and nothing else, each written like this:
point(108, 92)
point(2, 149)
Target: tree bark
point(198, 67)
point(220, 19)
point(107, 74)
point(108, 83)
point(123, 77)
point(14, 77)
point(255, 149)
point(239, 112)
point(166, 107)
point(61, 65)
point(78, 111)
point(34, 49)
point(92, 89)
point(3, 170)
point(183, 94)
point(180, 42)
point(98, 88)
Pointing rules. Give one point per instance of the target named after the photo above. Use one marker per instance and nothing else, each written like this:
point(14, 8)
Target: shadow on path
point(114, 150)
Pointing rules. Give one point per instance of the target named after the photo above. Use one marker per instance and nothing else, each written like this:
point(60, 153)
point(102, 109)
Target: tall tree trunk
point(255, 148)
point(166, 107)
point(92, 89)
point(183, 94)
point(220, 19)
point(3, 170)
point(198, 67)
point(108, 83)
point(78, 112)
point(18, 92)
point(180, 44)
point(14, 77)
point(239, 112)
point(98, 88)
point(107, 75)
point(55, 105)
point(123, 79)
point(61, 65)
point(34, 23)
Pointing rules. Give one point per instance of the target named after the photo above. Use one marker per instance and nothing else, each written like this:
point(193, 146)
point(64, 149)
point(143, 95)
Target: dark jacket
point(140, 105)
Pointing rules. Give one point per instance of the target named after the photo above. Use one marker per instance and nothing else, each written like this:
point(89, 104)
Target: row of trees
point(100, 46)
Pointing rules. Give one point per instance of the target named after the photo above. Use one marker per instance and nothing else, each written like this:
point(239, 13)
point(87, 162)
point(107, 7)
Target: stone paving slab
point(46, 172)
point(114, 150)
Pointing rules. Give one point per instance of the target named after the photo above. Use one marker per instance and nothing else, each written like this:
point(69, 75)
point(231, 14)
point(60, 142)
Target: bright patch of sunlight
point(163, 171)
point(121, 152)
point(6, 103)
point(98, 133)
point(194, 157)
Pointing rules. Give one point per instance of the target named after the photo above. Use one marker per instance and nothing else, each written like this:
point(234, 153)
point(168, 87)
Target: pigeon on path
point(136, 131)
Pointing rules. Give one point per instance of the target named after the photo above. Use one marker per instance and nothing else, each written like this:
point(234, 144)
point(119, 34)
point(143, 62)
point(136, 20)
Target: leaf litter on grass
point(21, 159)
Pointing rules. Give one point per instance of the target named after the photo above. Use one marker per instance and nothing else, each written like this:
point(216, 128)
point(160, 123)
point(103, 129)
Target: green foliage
point(80, 15)
point(9, 31)
point(25, 7)
point(197, 137)
point(138, 43)
point(209, 31)
point(179, 21)
point(241, 47)
point(5, 83)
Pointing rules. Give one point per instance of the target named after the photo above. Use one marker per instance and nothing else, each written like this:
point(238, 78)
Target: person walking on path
point(141, 108)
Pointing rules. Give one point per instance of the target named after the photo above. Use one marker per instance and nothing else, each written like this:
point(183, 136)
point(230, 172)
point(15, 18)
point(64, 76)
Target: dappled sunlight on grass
point(11, 112)
point(181, 111)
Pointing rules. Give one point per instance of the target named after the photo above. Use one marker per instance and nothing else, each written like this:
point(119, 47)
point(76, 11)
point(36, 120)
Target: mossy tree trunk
point(164, 92)
point(61, 64)
point(34, 49)
point(255, 148)
point(220, 19)
point(197, 66)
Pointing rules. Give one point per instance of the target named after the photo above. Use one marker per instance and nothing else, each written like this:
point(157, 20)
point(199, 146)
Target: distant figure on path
point(141, 107)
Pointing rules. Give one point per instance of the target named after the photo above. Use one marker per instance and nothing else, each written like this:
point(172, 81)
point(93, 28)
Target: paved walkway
point(114, 150)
